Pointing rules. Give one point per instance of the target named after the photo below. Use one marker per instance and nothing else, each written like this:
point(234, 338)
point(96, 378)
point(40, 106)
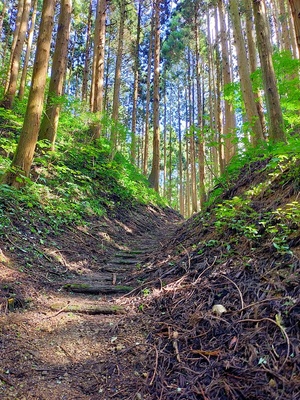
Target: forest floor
point(142, 305)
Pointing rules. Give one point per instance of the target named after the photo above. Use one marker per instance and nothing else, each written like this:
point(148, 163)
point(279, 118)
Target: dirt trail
point(58, 343)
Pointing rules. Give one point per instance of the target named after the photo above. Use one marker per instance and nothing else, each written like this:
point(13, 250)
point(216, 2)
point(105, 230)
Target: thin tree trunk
point(244, 72)
point(98, 66)
point(218, 108)
point(49, 123)
point(228, 131)
point(147, 115)
point(2, 15)
point(165, 134)
point(252, 56)
point(199, 119)
point(170, 161)
point(85, 76)
point(16, 58)
point(212, 96)
point(28, 51)
point(25, 150)
point(15, 39)
point(154, 175)
point(283, 16)
point(295, 8)
point(117, 80)
point(135, 85)
point(181, 197)
point(276, 124)
point(292, 32)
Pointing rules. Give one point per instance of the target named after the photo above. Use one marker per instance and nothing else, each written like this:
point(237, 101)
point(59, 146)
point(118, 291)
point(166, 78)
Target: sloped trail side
point(67, 312)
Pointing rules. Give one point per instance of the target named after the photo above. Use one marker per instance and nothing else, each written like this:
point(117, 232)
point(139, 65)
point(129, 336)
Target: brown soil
point(164, 339)
point(48, 352)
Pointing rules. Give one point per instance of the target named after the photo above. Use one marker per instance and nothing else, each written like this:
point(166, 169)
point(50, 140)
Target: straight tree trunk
point(98, 66)
point(147, 114)
point(187, 182)
point(117, 80)
point(212, 92)
point(28, 51)
point(276, 124)
point(228, 131)
point(23, 157)
point(49, 123)
point(291, 30)
point(191, 132)
point(165, 134)
point(85, 76)
point(135, 85)
point(2, 14)
point(201, 155)
point(252, 56)
point(16, 58)
point(15, 39)
point(181, 197)
point(295, 8)
point(283, 16)
point(244, 72)
point(218, 108)
point(154, 174)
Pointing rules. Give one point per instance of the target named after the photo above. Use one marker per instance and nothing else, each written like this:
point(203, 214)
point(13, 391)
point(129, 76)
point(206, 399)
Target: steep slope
point(225, 303)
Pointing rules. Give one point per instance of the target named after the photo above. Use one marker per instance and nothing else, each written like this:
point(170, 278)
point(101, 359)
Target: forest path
point(83, 326)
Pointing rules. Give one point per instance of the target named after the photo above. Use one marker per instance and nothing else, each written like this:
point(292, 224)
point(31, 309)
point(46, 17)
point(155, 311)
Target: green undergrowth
point(76, 181)
point(258, 197)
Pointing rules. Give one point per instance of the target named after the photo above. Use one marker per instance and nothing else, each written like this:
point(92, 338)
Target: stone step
point(126, 255)
point(125, 261)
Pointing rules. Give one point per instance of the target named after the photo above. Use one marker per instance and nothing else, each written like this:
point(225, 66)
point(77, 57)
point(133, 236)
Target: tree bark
point(49, 123)
point(20, 167)
point(15, 38)
point(85, 77)
point(98, 65)
point(276, 124)
point(244, 72)
point(147, 114)
point(228, 130)
point(252, 56)
point(135, 85)
point(201, 155)
point(154, 175)
point(295, 8)
point(180, 155)
point(3, 12)
point(117, 80)
point(16, 58)
point(28, 51)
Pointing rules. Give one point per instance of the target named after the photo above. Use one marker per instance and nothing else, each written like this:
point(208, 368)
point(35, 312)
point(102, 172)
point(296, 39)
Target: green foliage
point(75, 181)
point(238, 215)
point(287, 74)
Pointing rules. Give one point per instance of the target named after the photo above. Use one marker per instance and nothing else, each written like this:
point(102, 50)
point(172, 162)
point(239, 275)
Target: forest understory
point(143, 305)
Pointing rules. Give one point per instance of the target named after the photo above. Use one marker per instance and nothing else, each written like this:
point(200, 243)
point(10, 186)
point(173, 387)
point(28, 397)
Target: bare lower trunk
point(276, 124)
point(49, 124)
point(22, 161)
point(154, 175)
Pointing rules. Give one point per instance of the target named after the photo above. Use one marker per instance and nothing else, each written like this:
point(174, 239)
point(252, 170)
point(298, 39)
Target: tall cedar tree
point(276, 125)
point(49, 123)
point(23, 157)
point(154, 174)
